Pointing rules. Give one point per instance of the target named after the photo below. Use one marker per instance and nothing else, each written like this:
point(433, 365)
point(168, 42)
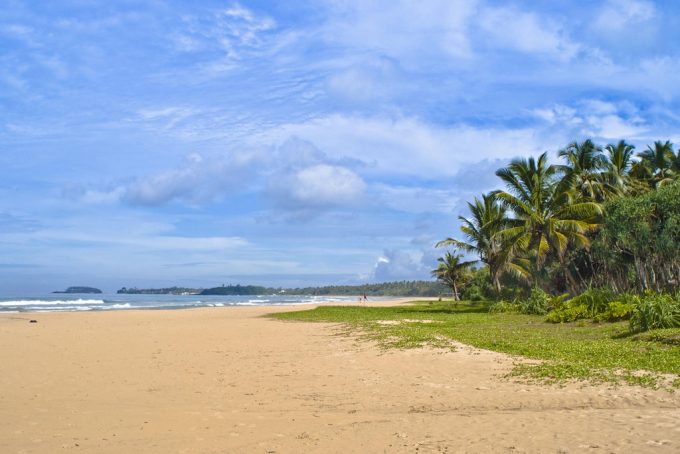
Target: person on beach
point(365, 298)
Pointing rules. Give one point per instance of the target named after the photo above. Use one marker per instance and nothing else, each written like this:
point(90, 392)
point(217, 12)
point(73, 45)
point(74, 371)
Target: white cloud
point(302, 178)
point(296, 175)
point(526, 32)
point(408, 146)
point(402, 29)
point(243, 25)
point(395, 265)
point(368, 79)
point(199, 181)
point(237, 31)
point(95, 197)
point(658, 74)
point(172, 115)
point(597, 119)
point(620, 15)
point(613, 127)
point(559, 114)
point(415, 199)
point(325, 185)
point(402, 264)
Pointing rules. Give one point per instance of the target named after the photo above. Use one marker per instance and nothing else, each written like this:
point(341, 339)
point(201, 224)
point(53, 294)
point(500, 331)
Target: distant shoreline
point(401, 288)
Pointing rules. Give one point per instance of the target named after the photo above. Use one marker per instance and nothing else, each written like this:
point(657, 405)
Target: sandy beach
point(229, 380)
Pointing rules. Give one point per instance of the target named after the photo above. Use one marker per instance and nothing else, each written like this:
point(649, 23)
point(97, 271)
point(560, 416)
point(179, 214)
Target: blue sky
point(296, 143)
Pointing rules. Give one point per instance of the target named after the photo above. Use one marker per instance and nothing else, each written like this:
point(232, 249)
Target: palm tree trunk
point(571, 282)
point(496, 283)
point(641, 274)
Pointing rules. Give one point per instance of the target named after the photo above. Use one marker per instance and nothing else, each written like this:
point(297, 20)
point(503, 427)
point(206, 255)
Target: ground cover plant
point(578, 350)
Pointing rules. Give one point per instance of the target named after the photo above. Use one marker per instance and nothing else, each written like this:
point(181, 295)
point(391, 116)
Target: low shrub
point(538, 303)
point(656, 311)
point(622, 309)
point(597, 304)
point(502, 307)
point(568, 313)
point(596, 300)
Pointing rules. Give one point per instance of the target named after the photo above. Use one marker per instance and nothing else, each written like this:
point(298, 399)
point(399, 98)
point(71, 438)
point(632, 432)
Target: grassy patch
point(579, 350)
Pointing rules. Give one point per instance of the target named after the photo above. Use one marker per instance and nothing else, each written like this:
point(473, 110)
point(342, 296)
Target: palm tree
point(675, 163)
point(451, 271)
point(658, 162)
point(488, 217)
point(619, 162)
point(583, 170)
point(546, 218)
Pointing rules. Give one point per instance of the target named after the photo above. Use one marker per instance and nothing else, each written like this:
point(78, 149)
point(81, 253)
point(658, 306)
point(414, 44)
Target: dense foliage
point(639, 242)
point(604, 217)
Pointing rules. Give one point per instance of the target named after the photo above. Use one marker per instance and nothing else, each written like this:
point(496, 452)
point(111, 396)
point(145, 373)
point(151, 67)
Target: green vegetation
point(81, 290)
point(238, 290)
point(597, 237)
point(159, 291)
point(603, 218)
point(401, 288)
point(578, 350)
point(655, 312)
point(452, 271)
point(595, 304)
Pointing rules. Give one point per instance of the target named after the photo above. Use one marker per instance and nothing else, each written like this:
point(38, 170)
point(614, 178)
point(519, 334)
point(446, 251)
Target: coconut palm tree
point(618, 165)
point(488, 217)
point(584, 170)
point(657, 163)
point(547, 218)
point(675, 164)
point(451, 271)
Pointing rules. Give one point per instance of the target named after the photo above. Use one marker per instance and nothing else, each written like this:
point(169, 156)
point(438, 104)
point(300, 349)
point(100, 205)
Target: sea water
point(106, 302)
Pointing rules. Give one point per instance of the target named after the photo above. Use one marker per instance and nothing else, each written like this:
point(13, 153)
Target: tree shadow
point(624, 335)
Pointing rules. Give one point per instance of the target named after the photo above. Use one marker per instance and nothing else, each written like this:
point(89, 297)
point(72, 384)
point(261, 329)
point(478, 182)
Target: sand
point(228, 380)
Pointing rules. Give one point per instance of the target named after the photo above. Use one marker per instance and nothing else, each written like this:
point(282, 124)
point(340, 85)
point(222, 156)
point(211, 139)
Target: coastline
point(232, 380)
point(109, 302)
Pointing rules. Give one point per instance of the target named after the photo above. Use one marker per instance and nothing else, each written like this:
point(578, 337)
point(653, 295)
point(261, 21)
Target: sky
point(200, 143)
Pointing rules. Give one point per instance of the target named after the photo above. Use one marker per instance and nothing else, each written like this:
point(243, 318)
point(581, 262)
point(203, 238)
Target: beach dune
point(229, 380)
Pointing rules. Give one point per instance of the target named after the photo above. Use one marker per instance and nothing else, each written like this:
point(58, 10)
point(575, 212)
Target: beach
point(223, 380)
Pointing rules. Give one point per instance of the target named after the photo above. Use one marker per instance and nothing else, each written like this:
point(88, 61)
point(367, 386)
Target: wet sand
point(229, 380)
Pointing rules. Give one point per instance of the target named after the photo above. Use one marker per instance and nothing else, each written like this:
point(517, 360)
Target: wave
point(50, 303)
point(63, 308)
point(118, 306)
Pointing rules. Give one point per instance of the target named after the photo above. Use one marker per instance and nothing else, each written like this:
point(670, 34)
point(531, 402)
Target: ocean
point(106, 302)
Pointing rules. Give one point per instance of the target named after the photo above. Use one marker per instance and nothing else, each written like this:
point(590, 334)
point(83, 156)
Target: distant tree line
point(400, 288)
point(239, 290)
point(159, 291)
